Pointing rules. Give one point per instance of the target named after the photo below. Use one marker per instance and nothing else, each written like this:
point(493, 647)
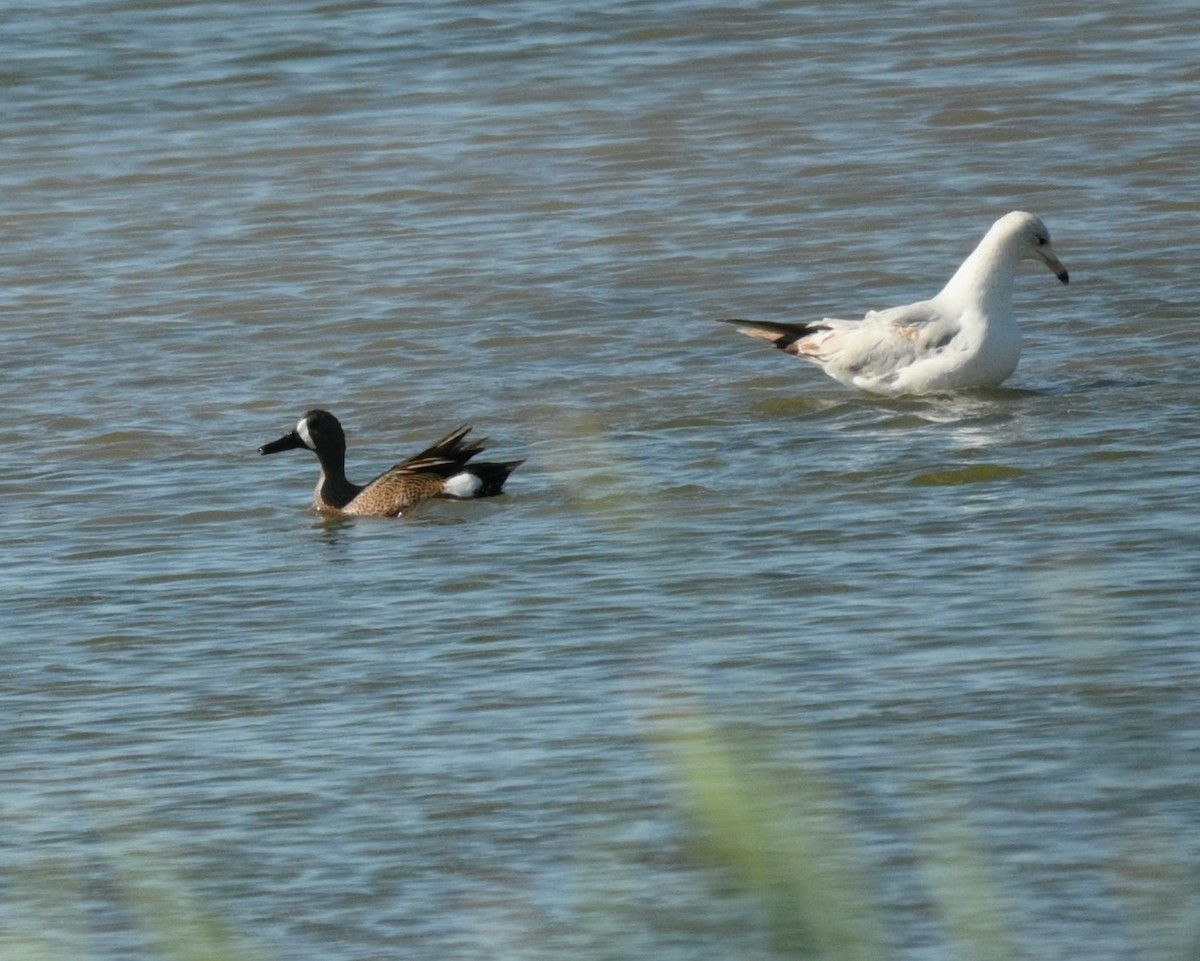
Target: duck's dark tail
point(449, 458)
point(492, 476)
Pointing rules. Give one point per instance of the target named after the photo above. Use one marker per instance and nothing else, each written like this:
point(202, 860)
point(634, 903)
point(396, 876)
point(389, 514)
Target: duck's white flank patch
point(302, 430)
point(462, 485)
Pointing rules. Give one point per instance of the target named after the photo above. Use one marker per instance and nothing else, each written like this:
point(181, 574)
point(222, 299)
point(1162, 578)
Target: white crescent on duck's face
point(302, 431)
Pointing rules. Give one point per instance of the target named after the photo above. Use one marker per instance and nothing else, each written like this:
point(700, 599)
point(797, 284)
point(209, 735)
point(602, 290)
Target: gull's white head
point(1029, 237)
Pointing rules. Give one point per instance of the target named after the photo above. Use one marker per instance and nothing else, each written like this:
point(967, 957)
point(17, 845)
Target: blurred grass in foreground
point(789, 847)
point(777, 834)
point(783, 844)
point(131, 905)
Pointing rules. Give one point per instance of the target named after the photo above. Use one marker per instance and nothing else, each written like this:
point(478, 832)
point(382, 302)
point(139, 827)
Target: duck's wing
point(453, 449)
point(422, 474)
point(427, 474)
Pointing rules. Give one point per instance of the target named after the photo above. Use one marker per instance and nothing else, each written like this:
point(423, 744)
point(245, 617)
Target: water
point(971, 619)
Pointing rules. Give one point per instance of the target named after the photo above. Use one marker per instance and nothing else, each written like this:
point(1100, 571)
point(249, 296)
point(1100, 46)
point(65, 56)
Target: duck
point(964, 337)
point(441, 470)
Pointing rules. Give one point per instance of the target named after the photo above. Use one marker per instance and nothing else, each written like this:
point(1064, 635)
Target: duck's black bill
point(286, 442)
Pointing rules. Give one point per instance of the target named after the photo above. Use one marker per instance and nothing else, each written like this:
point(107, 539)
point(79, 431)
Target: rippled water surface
point(954, 637)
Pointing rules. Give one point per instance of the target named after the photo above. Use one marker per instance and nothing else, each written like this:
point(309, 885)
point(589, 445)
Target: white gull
point(964, 337)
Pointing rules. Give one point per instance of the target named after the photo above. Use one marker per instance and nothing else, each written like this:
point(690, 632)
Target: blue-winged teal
point(966, 336)
point(439, 471)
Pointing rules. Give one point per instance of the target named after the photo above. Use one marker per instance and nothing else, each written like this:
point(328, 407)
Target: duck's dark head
point(318, 431)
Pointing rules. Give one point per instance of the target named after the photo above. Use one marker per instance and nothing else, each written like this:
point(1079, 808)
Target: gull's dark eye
point(1042, 241)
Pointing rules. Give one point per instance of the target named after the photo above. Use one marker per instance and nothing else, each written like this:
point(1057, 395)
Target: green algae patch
point(978, 474)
